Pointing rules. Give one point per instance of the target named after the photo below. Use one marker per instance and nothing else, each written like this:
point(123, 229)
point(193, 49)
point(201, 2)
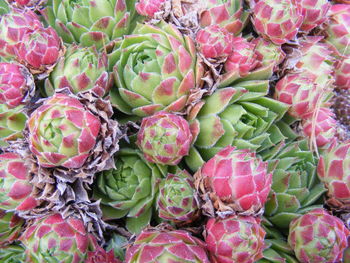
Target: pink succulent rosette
point(40, 50)
point(149, 7)
point(320, 126)
point(164, 138)
point(332, 171)
point(226, 14)
point(15, 187)
point(338, 29)
point(318, 237)
point(277, 20)
point(65, 238)
point(314, 12)
point(215, 42)
point(233, 181)
point(238, 239)
point(242, 59)
point(13, 27)
point(16, 84)
point(157, 245)
point(62, 132)
point(300, 92)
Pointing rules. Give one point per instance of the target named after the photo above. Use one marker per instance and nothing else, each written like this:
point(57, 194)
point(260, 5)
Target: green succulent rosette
point(12, 123)
point(295, 186)
point(90, 23)
point(12, 254)
point(156, 68)
point(129, 190)
point(81, 69)
point(240, 115)
point(177, 201)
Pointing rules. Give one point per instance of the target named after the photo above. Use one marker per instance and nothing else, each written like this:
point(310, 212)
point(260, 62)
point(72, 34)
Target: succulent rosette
point(81, 69)
point(332, 169)
point(314, 12)
point(16, 84)
point(338, 30)
point(214, 42)
point(164, 138)
point(177, 200)
point(342, 73)
point(268, 56)
point(228, 14)
point(27, 4)
point(16, 191)
point(62, 132)
point(40, 50)
point(295, 187)
point(235, 239)
point(320, 127)
point(130, 189)
point(240, 115)
point(315, 58)
point(241, 61)
point(12, 124)
point(161, 245)
point(64, 239)
point(277, 20)
point(10, 227)
point(233, 181)
point(149, 7)
point(89, 23)
point(318, 237)
point(13, 26)
point(301, 92)
point(156, 69)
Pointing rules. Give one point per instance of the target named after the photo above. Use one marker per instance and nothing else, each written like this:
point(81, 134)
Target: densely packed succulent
point(235, 239)
point(62, 132)
point(229, 120)
point(277, 20)
point(64, 239)
point(16, 84)
point(318, 237)
point(89, 22)
point(129, 189)
point(13, 27)
point(240, 116)
point(164, 138)
point(154, 245)
point(234, 181)
point(332, 171)
point(156, 69)
point(177, 201)
point(81, 69)
point(295, 188)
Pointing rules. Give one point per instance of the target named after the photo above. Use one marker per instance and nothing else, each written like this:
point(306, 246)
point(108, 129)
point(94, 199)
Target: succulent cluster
point(173, 131)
